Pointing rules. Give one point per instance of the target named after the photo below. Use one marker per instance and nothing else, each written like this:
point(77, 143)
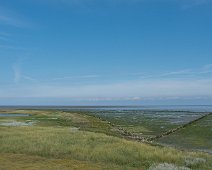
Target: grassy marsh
point(52, 140)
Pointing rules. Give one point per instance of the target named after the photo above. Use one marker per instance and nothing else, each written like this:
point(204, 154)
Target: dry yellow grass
point(26, 162)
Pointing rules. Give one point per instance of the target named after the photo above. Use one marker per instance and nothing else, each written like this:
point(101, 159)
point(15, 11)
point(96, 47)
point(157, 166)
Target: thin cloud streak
point(76, 77)
point(29, 78)
point(174, 74)
point(187, 74)
point(8, 47)
point(205, 70)
point(11, 21)
point(18, 75)
point(167, 74)
point(185, 4)
point(154, 87)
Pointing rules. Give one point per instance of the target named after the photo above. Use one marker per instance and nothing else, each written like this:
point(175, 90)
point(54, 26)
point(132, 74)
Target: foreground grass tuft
point(166, 166)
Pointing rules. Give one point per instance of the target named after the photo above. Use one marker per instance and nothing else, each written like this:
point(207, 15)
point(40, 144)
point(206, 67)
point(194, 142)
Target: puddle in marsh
point(15, 123)
point(74, 129)
point(13, 115)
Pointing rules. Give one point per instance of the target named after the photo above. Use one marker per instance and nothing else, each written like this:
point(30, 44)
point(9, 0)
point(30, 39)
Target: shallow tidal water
point(13, 115)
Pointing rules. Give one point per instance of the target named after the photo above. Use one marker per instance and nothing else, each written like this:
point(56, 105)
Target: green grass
point(195, 136)
point(21, 161)
point(52, 142)
point(90, 147)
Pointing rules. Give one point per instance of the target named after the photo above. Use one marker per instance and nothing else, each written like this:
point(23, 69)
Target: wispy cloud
point(9, 47)
point(138, 89)
point(13, 19)
point(186, 73)
point(173, 74)
point(77, 77)
point(18, 75)
point(179, 72)
point(186, 4)
point(29, 78)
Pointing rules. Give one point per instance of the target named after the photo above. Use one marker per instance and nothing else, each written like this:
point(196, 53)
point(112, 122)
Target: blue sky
point(79, 52)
